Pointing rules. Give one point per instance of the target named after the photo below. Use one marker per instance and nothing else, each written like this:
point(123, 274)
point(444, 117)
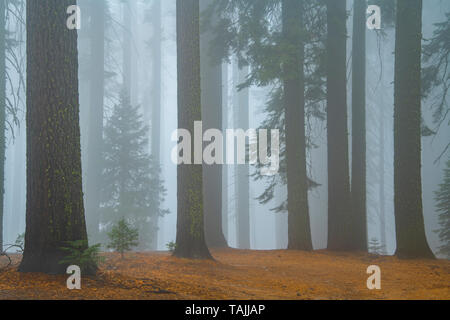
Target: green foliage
point(442, 197)
point(131, 183)
point(375, 247)
point(123, 237)
point(80, 254)
point(435, 73)
point(252, 31)
point(171, 246)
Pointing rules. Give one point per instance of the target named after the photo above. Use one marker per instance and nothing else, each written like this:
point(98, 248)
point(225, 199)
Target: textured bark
point(55, 211)
point(190, 241)
point(211, 83)
point(299, 230)
point(358, 185)
point(2, 112)
point(409, 223)
point(94, 144)
point(156, 95)
point(339, 206)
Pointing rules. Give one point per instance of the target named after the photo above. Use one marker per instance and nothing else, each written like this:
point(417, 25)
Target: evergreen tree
point(268, 37)
point(409, 222)
point(131, 186)
point(339, 206)
point(443, 207)
point(55, 210)
point(211, 83)
point(358, 183)
point(190, 242)
point(123, 237)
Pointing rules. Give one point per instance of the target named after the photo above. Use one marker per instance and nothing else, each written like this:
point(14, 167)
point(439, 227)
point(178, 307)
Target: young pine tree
point(123, 237)
point(443, 207)
point(131, 186)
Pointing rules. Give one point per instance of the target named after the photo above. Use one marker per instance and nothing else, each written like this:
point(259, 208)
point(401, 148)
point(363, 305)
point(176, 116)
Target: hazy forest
point(224, 149)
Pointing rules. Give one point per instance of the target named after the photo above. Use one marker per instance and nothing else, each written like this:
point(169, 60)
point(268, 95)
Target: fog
point(129, 45)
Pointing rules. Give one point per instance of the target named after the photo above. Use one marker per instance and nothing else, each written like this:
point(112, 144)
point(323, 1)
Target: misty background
point(130, 31)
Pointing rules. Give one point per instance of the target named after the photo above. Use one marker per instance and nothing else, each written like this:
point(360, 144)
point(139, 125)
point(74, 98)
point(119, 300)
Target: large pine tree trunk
point(156, 98)
point(409, 223)
point(358, 185)
point(211, 83)
point(2, 111)
point(190, 221)
point(299, 230)
point(339, 206)
point(55, 211)
point(94, 144)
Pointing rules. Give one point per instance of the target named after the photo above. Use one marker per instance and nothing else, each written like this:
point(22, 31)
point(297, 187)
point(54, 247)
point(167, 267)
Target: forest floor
point(240, 274)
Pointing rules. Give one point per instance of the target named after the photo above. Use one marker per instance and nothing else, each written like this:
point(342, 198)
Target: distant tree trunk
point(381, 173)
point(339, 206)
point(243, 170)
point(225, 166)
point(211, 83)
point(55, 211)
point(358, 185)
point(299, 230)
point(127, 44)
point(409, 222)
point(190, 221)
point(95, 139)
point(156, 97)
point(2, 112)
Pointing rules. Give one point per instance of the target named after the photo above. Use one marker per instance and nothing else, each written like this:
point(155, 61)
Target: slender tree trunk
point(95, 139)
point(381, 173)
point(299, 230)
point(211, 82)
point(358, 186)
point(2, 112)
point(409, 223)
point(225, 166)
point(243, 170)
point(339, 206)
point(55, 211)
point(190, 221)
point(127, 44)
point(156, 97)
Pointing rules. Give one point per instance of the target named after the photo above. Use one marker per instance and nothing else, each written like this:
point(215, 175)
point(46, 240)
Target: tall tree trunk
point(358, 185)
point(156, 97)
point(127, 44)
point(225, 166)
point(95, 139)
point(339, 206)
point(55, 211)
point(211, 83)
point(243, 170)
point(409, 223)
point(299, 229)
point(381, 173)
point(2, 112)
point(190, 221)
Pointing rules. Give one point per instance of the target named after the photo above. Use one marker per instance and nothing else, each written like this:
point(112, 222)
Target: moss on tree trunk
point(55, 211)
